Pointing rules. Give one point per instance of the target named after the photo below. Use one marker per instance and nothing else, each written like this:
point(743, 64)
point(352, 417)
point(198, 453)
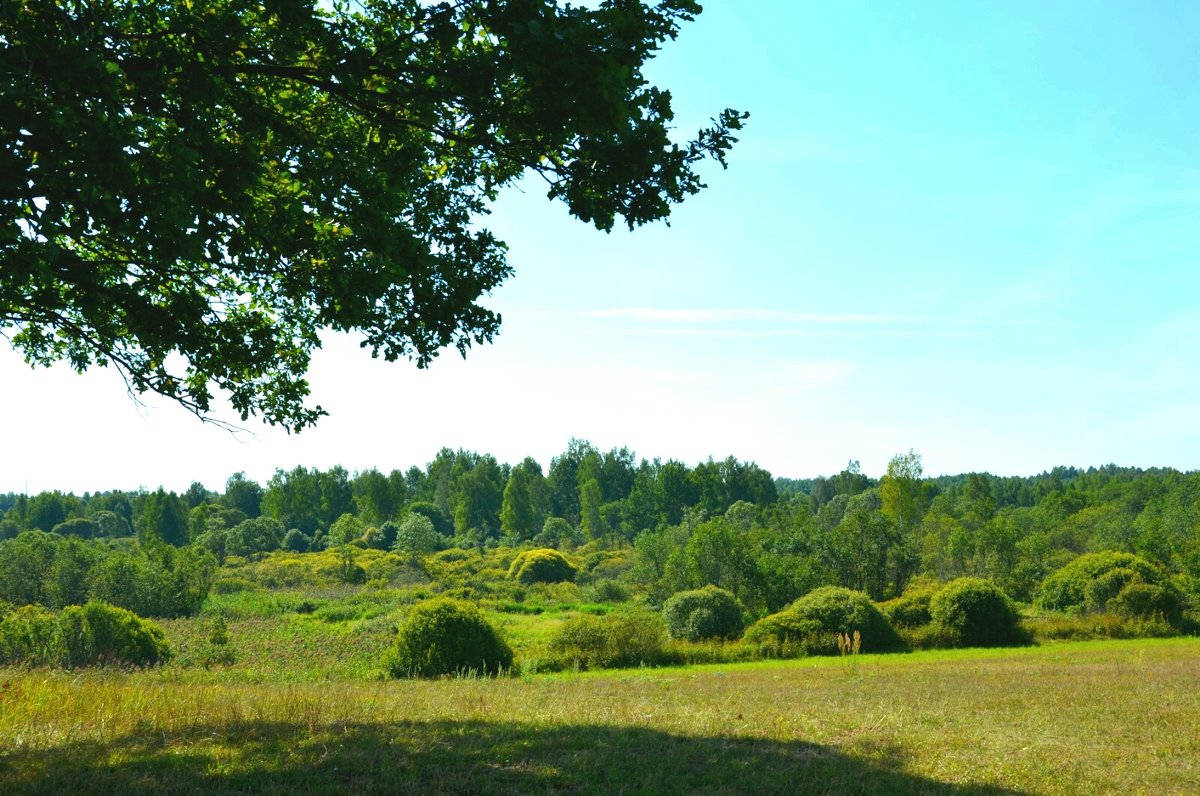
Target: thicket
point(1117, 548)
point(155, 580)
point(812, 623)
point(95, 633)
point(617, 640)
point(911, 609)
point(1090, 581)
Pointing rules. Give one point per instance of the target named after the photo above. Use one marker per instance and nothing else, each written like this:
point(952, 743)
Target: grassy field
point(1089, 717)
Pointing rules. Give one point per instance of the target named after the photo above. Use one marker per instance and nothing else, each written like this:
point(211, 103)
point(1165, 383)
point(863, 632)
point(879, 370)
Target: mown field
point(1080, 717)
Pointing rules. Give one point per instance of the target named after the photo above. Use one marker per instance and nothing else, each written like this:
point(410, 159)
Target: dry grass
point(1095, 717)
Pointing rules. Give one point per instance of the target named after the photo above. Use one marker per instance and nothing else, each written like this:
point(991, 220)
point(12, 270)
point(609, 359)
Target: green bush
point(1097, 593)
point(233, 585)
point(1146, 600)
point(444, 636)
point(818, 617)
point(95, 633)
point(607, 590)
point(911, 609)
point(977, 613)
point(930, 637)
point(98, 633)
point(1067, 588)
point(295, 541)
point(31, 636)
point(613, 641)
point(542, 565)
point(704, 614)
point(1083, 627)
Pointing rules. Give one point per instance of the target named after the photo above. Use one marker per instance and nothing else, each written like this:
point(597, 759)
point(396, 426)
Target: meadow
point(1098, 716)
point(279, 684)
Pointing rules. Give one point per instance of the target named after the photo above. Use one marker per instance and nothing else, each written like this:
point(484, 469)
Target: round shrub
point(618, 640)
point(703, 614)
point(542, 565)
point(444, 636)
point(1146, 600)
point(1066, 588)
point(1097, 593)
point(826, 612)
point(911, 609)
point(977, 613)
point(608, 590)
point(295, 541)
point(555, 531)
point(99, 633)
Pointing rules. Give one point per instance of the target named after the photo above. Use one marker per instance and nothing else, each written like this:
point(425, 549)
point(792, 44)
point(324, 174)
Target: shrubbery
point(975, 613)
point(1092, 577)
point(101, 633)
point(1083, 627)
point(95, 633)
point(295, 541)
point(444, 636)
point(812, 623)
point(156, 580)
point(706, 613)
point(607, 590)
point(1146, 600)
point(911, 609)
point(541, 565)
point(32, 636)
point(617, 640)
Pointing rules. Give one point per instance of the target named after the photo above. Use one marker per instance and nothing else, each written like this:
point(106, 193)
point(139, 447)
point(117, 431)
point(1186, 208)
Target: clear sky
point(970, 229)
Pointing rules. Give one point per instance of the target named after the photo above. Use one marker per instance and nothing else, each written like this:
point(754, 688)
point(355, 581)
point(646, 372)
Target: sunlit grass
point(1097, 717)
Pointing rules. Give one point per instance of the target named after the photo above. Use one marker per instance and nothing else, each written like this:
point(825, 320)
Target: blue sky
point(969, 229)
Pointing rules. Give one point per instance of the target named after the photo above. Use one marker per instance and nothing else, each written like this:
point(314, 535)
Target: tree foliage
point(193, 190)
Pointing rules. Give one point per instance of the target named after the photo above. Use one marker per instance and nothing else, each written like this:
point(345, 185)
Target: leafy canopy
point(191, 191)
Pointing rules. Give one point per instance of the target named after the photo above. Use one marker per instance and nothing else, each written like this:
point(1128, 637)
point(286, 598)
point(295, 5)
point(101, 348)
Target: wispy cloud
point(735, 316)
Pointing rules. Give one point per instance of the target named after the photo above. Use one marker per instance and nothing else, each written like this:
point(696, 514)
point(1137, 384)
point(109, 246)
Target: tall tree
point(294, 498)
point(480, 492)
point(244, 495)
point(524, 508)
point(163, 517)
point(591, 522)
point(193, 190)
point(564, 482)
point(902, 492)
point(375, 496)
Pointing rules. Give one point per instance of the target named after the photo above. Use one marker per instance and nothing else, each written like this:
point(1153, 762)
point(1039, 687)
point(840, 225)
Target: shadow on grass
point(456, 758)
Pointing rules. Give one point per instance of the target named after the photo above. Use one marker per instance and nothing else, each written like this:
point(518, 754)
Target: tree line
point(728, 523)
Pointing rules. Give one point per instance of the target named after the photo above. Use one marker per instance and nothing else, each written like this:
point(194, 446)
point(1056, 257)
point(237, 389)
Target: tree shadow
point(467, 757)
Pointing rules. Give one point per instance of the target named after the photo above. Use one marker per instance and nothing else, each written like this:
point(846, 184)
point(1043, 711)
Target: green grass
point(1088, 717)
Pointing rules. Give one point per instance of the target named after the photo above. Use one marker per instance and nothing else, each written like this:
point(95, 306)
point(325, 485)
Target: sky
point(967, 229)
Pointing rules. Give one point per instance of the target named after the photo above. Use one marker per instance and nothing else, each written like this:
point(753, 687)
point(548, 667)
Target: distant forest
point(727, 522)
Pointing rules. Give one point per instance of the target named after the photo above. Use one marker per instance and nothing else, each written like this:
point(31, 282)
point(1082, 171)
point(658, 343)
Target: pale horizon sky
point(968, 229)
